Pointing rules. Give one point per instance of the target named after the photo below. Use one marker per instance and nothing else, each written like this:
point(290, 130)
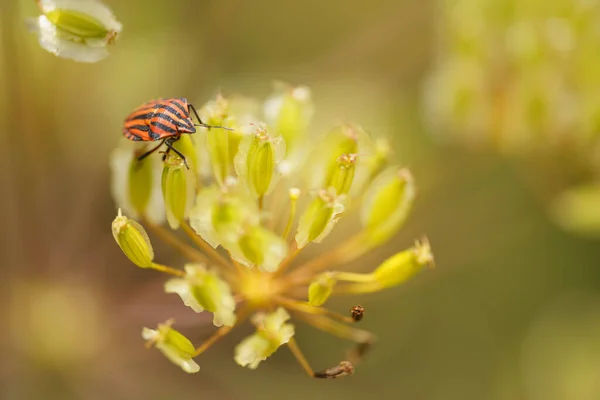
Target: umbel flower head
point(76, 29)
point(249, 205)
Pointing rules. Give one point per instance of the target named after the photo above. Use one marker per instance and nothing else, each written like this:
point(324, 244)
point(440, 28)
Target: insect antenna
point(206, 125)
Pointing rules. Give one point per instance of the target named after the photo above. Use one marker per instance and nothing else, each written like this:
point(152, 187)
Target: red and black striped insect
point(165, 120)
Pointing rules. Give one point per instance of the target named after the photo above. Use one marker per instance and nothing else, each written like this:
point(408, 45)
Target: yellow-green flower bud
point(379, 158)
point(187, 145)
point(176, 347)
point(271, 333)
point(343, 175)
point(79, 30)
point(323, 162)
point(319, 218)
point(140, 184)
point(342, 140)
point(205, 290)
point(294, 194)
point(218, 140)
point(178, 185)
point(392, 272)
point(219, 215)
point(236, 112)
point(289, 111)
point(387, 204)
point(320, 289)
point(256, 160)
point(260, 247)
point(78, 24)
point(404, 265)
point(372, 161)
point(136, 185)
point(133, 240)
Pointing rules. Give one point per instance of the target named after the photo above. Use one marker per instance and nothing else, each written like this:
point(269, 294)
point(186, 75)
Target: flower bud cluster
point(251, 200)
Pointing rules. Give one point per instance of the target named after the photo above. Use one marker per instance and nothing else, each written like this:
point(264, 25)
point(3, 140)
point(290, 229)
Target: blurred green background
point(511, 312)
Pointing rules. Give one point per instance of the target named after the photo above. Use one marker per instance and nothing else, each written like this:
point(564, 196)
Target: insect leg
point(169, 143)
point(146, 154)
point(164, 153)
point(196, 114)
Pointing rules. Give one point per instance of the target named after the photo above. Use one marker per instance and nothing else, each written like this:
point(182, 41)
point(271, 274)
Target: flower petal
point(182, 288)
point(175, 347)
point(65, 45)
point(93, 8)
point(272, 332)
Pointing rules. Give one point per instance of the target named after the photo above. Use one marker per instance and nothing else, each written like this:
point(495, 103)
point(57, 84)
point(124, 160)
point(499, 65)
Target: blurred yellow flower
point(520, 75)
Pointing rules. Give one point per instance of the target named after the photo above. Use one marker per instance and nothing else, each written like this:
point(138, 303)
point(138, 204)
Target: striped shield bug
point(165, 120)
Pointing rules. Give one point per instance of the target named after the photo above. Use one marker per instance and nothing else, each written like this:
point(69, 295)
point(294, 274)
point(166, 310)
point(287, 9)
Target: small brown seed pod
point(357, 313)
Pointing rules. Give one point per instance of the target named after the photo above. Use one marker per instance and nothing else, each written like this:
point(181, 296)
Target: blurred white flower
point(76, 29)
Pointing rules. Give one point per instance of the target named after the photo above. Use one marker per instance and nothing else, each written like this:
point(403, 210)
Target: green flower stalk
point(250, 220)
point(78, 30)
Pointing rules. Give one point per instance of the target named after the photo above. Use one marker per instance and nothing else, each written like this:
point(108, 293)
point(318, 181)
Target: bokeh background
point(492, 104)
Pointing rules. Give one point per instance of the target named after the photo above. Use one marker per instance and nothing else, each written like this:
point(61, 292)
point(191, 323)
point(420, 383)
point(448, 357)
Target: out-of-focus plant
point(560, 355)
point(265, 193)
point(578, 209)
point(519, 75)
point(76, 29)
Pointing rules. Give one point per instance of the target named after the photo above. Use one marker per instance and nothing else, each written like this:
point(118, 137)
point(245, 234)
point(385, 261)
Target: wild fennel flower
point(252, 213)
point(79, 30)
